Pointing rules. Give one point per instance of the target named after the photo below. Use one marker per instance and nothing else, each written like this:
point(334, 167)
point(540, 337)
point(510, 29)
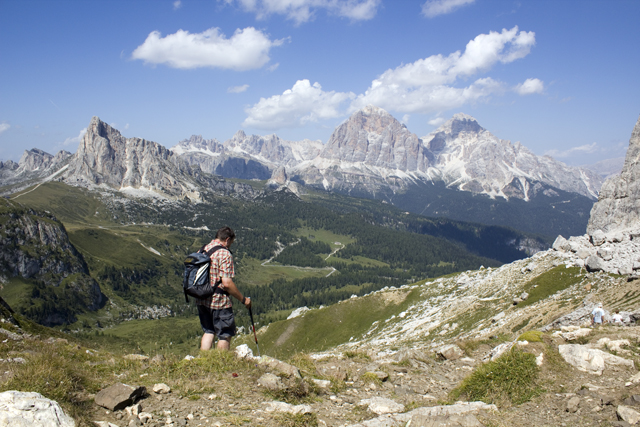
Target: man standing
point(216, 312)
point(597, 315)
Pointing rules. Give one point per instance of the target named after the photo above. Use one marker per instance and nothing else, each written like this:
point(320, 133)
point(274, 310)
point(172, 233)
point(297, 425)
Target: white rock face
point(33, 164)
point(298, 312)
point(473, 159)
point(104, 156)
point(29, 409)
point(618, 206)
point(590, 360)
point(381, 405)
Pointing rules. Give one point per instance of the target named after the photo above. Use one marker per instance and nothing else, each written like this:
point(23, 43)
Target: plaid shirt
point(221, 266)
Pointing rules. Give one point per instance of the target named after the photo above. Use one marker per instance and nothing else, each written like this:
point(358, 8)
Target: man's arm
point(232, 289)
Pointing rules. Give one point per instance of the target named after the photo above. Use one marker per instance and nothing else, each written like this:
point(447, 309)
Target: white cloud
point(405, 119)
point(432, 8)
point(273, 67)
point(426, 85)
point(75, 140)
point(237, 89)
point(4, 127)
point(582, 149)
point(530, 86)
point(429, 85)
point(177, 4)
point(301, 11)
point(437, 121)
point(247, 49)
point(301, 104)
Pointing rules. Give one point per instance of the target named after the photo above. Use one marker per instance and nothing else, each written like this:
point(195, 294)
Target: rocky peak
point(9, 165)
point(374, 137)
point(473, 159)
point(450, 132)
point(617, 207)
point(104, 156)
point(462, 123)
point(60, 156)
point(197, 144)
point(279, 176)
point(35, 159)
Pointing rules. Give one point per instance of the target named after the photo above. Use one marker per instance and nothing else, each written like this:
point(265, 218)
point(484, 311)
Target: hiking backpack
point(195, 281)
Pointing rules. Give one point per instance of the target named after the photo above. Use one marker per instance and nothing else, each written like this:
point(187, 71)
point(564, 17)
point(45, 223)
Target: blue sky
point(560, 76)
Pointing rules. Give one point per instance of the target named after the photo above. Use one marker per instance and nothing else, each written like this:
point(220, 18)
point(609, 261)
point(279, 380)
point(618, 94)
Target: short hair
point(225, 233)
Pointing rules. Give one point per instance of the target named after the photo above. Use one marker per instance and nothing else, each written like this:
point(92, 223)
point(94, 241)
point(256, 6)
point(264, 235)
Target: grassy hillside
point(289, 253)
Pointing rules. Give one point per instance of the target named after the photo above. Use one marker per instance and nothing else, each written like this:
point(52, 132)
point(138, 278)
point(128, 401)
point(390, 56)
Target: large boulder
point(590, 360)
point(30, 409)
point(450, 352)
point(119, 396)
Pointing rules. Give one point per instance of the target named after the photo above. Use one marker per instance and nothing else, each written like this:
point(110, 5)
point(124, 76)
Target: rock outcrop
point(618, 206)
point(472, 159)
point(35, 245)
point(34, 164)
point(104, 156)
point(29, 409)
point(140, 167)
point(612, 242)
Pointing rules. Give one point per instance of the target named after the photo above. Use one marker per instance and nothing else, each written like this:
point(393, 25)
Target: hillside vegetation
point(289, 252)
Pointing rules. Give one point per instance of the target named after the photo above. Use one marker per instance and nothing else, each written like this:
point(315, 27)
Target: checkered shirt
point(221, 266)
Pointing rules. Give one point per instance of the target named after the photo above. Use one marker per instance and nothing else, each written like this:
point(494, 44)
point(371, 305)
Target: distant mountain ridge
point(372, 151)
point(106, 158)
point(460, 171)
point(472, 159)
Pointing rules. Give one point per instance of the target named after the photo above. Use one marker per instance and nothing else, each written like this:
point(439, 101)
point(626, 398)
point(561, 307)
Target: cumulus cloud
point(427, 85)
point(437, 121)
point(431, 85)
point(4, 127)
point(76, 139)
point(433, 8)
point(247, 49)
point(237, 89)
point(582, 149)
point(530, 86)
point(301, 11)
point(177, 4)
point(301, 104)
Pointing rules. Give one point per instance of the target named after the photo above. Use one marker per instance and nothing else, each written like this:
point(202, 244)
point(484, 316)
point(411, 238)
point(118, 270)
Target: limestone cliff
point(35, 246)
point(618, 206)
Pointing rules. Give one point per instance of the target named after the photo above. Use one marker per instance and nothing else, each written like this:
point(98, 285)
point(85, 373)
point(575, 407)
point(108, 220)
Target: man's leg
point(207, 341)
point(224, 344)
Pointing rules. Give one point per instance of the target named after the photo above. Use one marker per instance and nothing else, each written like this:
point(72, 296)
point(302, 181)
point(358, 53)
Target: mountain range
point(369, 155)
point(372, 150)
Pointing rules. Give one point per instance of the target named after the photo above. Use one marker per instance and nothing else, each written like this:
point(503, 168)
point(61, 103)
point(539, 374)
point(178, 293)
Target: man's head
point(599, 305)
point(226, 235)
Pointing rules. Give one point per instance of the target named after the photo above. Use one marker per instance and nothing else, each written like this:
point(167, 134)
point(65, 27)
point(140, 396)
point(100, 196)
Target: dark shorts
point(218, 322)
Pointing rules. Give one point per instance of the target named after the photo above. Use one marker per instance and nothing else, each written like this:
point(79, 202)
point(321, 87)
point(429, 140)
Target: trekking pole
point(254, 331)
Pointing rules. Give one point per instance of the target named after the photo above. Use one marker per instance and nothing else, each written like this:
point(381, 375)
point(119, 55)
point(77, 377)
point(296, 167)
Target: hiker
point(216, 312)
point(616, 319)
point(597, 315)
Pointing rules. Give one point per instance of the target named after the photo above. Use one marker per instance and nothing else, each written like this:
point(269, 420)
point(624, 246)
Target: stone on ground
point(30, 409)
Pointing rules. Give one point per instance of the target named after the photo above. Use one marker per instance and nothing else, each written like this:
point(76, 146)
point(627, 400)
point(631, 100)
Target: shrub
point(531, 336)
point(509, 379)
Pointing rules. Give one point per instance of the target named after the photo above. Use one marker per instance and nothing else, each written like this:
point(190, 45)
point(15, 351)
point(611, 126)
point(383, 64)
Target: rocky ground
point(411, 379)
